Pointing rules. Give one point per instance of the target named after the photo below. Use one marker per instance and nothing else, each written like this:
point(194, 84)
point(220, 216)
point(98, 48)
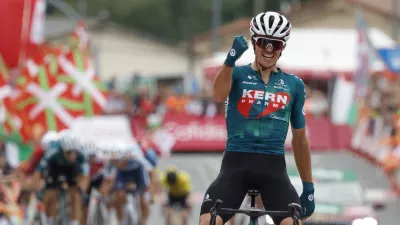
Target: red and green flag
point(77, 69)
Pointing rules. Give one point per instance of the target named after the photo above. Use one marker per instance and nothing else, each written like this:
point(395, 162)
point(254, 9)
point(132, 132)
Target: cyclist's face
point(267, 56)
point(92, 159)
point(70, 156)
point(121, 163)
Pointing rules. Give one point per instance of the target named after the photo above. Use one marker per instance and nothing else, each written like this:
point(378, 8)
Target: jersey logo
point(272, 101)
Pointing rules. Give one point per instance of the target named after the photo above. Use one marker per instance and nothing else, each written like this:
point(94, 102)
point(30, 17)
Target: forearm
point(222, 84)
point(302, 156)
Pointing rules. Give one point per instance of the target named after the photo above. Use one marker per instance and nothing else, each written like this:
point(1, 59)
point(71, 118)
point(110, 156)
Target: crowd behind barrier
point(376, 135)
point(169, 99)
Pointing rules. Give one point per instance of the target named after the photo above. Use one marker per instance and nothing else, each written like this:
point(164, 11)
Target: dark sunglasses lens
point(264, 43)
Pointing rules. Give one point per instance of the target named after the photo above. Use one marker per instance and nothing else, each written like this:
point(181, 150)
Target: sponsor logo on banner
point(196, 131)
point(193, 133)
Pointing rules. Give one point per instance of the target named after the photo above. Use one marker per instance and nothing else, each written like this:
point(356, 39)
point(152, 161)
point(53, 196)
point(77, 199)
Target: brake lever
point(295, 214)
point(214, 211)
point(217, 206)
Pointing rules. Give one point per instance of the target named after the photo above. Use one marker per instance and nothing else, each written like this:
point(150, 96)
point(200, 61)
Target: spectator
point(5, 167)
point(175, 102)
point(195, 106)
point(316, 102)
point(112, 84)
point(117, 104)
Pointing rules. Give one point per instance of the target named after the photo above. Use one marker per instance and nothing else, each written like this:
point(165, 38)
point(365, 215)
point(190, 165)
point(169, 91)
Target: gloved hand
point(307, 199)
point(239, 46)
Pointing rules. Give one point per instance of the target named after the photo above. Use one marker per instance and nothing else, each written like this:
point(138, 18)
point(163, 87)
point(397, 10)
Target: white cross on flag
point(45, 100)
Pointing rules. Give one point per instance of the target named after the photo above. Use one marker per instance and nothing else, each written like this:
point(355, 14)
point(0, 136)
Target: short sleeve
point(43, 165)
point(297, 117)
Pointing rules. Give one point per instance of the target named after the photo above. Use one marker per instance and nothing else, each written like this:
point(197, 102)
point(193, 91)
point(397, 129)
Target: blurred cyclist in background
point(131, 176)
point(151, 156)
point(64, 168)
point(101, 184)
point(31, 183)
point(49, 142)
point(178, 185)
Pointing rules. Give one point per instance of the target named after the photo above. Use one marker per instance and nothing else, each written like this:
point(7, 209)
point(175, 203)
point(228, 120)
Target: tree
point(174, 20)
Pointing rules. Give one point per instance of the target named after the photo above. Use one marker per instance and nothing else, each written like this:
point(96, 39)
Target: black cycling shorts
point(180, 202)
point(241, 171)
point(58, 174)
point(95, 183)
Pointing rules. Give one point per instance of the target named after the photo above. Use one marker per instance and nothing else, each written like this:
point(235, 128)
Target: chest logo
point(272, 102)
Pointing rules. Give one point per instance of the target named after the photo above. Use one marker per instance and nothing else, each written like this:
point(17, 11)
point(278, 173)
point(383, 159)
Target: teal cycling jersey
point(57, 158)
point(258, 114)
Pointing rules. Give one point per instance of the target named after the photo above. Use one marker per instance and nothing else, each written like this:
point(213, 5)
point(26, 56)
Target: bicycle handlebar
point(292, 212)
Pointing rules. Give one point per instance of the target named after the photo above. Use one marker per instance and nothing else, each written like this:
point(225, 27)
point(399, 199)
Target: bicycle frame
point(132, 209)
point(62, 217)
point(254, 213)
point(97, 215)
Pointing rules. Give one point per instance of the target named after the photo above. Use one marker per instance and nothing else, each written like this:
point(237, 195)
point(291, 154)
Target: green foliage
point(173, 20)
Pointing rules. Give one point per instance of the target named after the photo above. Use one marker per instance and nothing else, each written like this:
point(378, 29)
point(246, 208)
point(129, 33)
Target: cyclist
point(99, 181)
point(131, 174)
point(151, 156)
point(65, 166)
point(48, 143)
point(179, 186)
point(260, 102)
point(31, 183)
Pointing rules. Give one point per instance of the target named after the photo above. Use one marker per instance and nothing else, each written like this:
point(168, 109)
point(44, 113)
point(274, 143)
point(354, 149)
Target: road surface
point(203, 169)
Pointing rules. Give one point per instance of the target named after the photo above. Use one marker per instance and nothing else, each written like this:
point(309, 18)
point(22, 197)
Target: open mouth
point(267, 55)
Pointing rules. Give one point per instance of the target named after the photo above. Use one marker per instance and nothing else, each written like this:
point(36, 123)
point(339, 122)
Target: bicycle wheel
point(39, 219)
point(101, 217)
point(93, 209)
point(131, 212)
point(62, 215)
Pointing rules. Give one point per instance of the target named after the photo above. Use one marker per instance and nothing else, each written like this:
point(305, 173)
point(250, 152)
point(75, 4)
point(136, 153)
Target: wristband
point(308, 186)
point(230, 58)
point(229, 61)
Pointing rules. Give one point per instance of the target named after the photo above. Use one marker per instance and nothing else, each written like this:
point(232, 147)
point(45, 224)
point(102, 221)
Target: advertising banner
point(193, 133)
point(104, 130)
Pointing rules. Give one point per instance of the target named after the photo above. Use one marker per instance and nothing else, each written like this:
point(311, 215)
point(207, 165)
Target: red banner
point(22, 26)
point(192, 133)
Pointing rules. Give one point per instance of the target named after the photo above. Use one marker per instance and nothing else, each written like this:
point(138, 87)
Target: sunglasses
point(264, 43)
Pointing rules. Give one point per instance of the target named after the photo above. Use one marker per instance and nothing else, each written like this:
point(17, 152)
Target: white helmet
point(69, 141)
point(49, 138)
point(271, 24)
point(117, 150)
